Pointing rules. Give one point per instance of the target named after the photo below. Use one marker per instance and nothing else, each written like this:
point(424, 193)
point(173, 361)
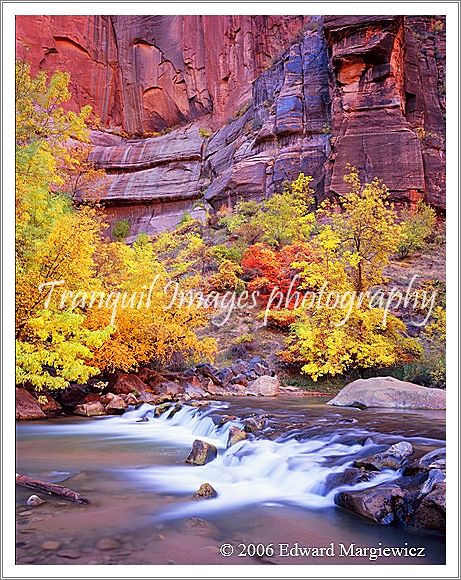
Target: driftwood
point(50, 488)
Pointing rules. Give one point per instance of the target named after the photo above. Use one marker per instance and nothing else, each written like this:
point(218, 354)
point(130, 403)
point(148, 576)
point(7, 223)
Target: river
point(271, 492)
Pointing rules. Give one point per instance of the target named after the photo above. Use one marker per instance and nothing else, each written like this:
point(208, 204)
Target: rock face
point(388, 392)
point(146, 73)
point(307, 94)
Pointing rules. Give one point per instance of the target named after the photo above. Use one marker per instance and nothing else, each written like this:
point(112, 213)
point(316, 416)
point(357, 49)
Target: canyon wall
point(247, 102)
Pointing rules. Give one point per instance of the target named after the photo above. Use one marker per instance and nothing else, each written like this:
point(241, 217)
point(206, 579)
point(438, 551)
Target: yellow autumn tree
point(62, 259)
point(149, 323)
point(341, 329)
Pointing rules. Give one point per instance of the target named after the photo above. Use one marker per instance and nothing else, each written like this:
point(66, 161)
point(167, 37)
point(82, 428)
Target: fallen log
point(50, 488)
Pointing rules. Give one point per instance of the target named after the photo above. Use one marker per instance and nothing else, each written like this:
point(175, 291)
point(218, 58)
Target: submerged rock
point(201, 453)
point(378, 504)
point(350, 476)
point(392, 458)
point(205, 491)
point(388, 392)
point(235, 435)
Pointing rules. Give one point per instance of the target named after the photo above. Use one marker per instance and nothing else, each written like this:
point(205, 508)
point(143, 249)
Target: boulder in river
point(433, 460)
point(350, 476)
point(377, 504)
point(392, 458)
point(34, 500)
point(205, 491)
point(27, 406)
point(116, 406)
point(388, 392)
point(201, 453)
point(264, 386)
point(235, 435)
point(431, 513)
point(90, 409)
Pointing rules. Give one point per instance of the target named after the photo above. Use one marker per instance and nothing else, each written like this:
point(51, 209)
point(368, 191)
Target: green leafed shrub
point(121, 230)
point(417, 226)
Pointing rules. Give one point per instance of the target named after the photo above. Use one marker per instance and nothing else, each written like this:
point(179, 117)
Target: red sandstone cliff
point(145, 73)
point(363, 90)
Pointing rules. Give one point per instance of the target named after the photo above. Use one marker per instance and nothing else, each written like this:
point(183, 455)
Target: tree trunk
point(50, 488)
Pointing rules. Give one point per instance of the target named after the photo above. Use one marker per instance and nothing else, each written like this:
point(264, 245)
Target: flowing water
point(271, 491)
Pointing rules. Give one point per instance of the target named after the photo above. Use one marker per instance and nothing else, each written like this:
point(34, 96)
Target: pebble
point(71, 554)
point(51, 545)
point(26, 513)
point(107, 544)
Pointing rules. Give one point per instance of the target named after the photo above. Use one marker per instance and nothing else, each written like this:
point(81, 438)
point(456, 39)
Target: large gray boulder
point(264, 386)
point(388, 392)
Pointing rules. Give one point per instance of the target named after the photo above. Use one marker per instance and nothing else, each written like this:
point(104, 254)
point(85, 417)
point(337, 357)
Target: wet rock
point(108, 544)
point(255, 424)
point(126, 383)
point(35, 500)
point(51, 545)
point(225, 419)
point(27, 406)
point(90, 409)
point(116, 406)
point(205, 491)
point(388, 392)
point(377, 504)
point(201, 453)
point(235, 435)
point(436, 459)
point(348, 477)
point(435, 477)
point(264, 386)
point(160, 409)
point(431, 513)
point(200, 404)
point(392, 458)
